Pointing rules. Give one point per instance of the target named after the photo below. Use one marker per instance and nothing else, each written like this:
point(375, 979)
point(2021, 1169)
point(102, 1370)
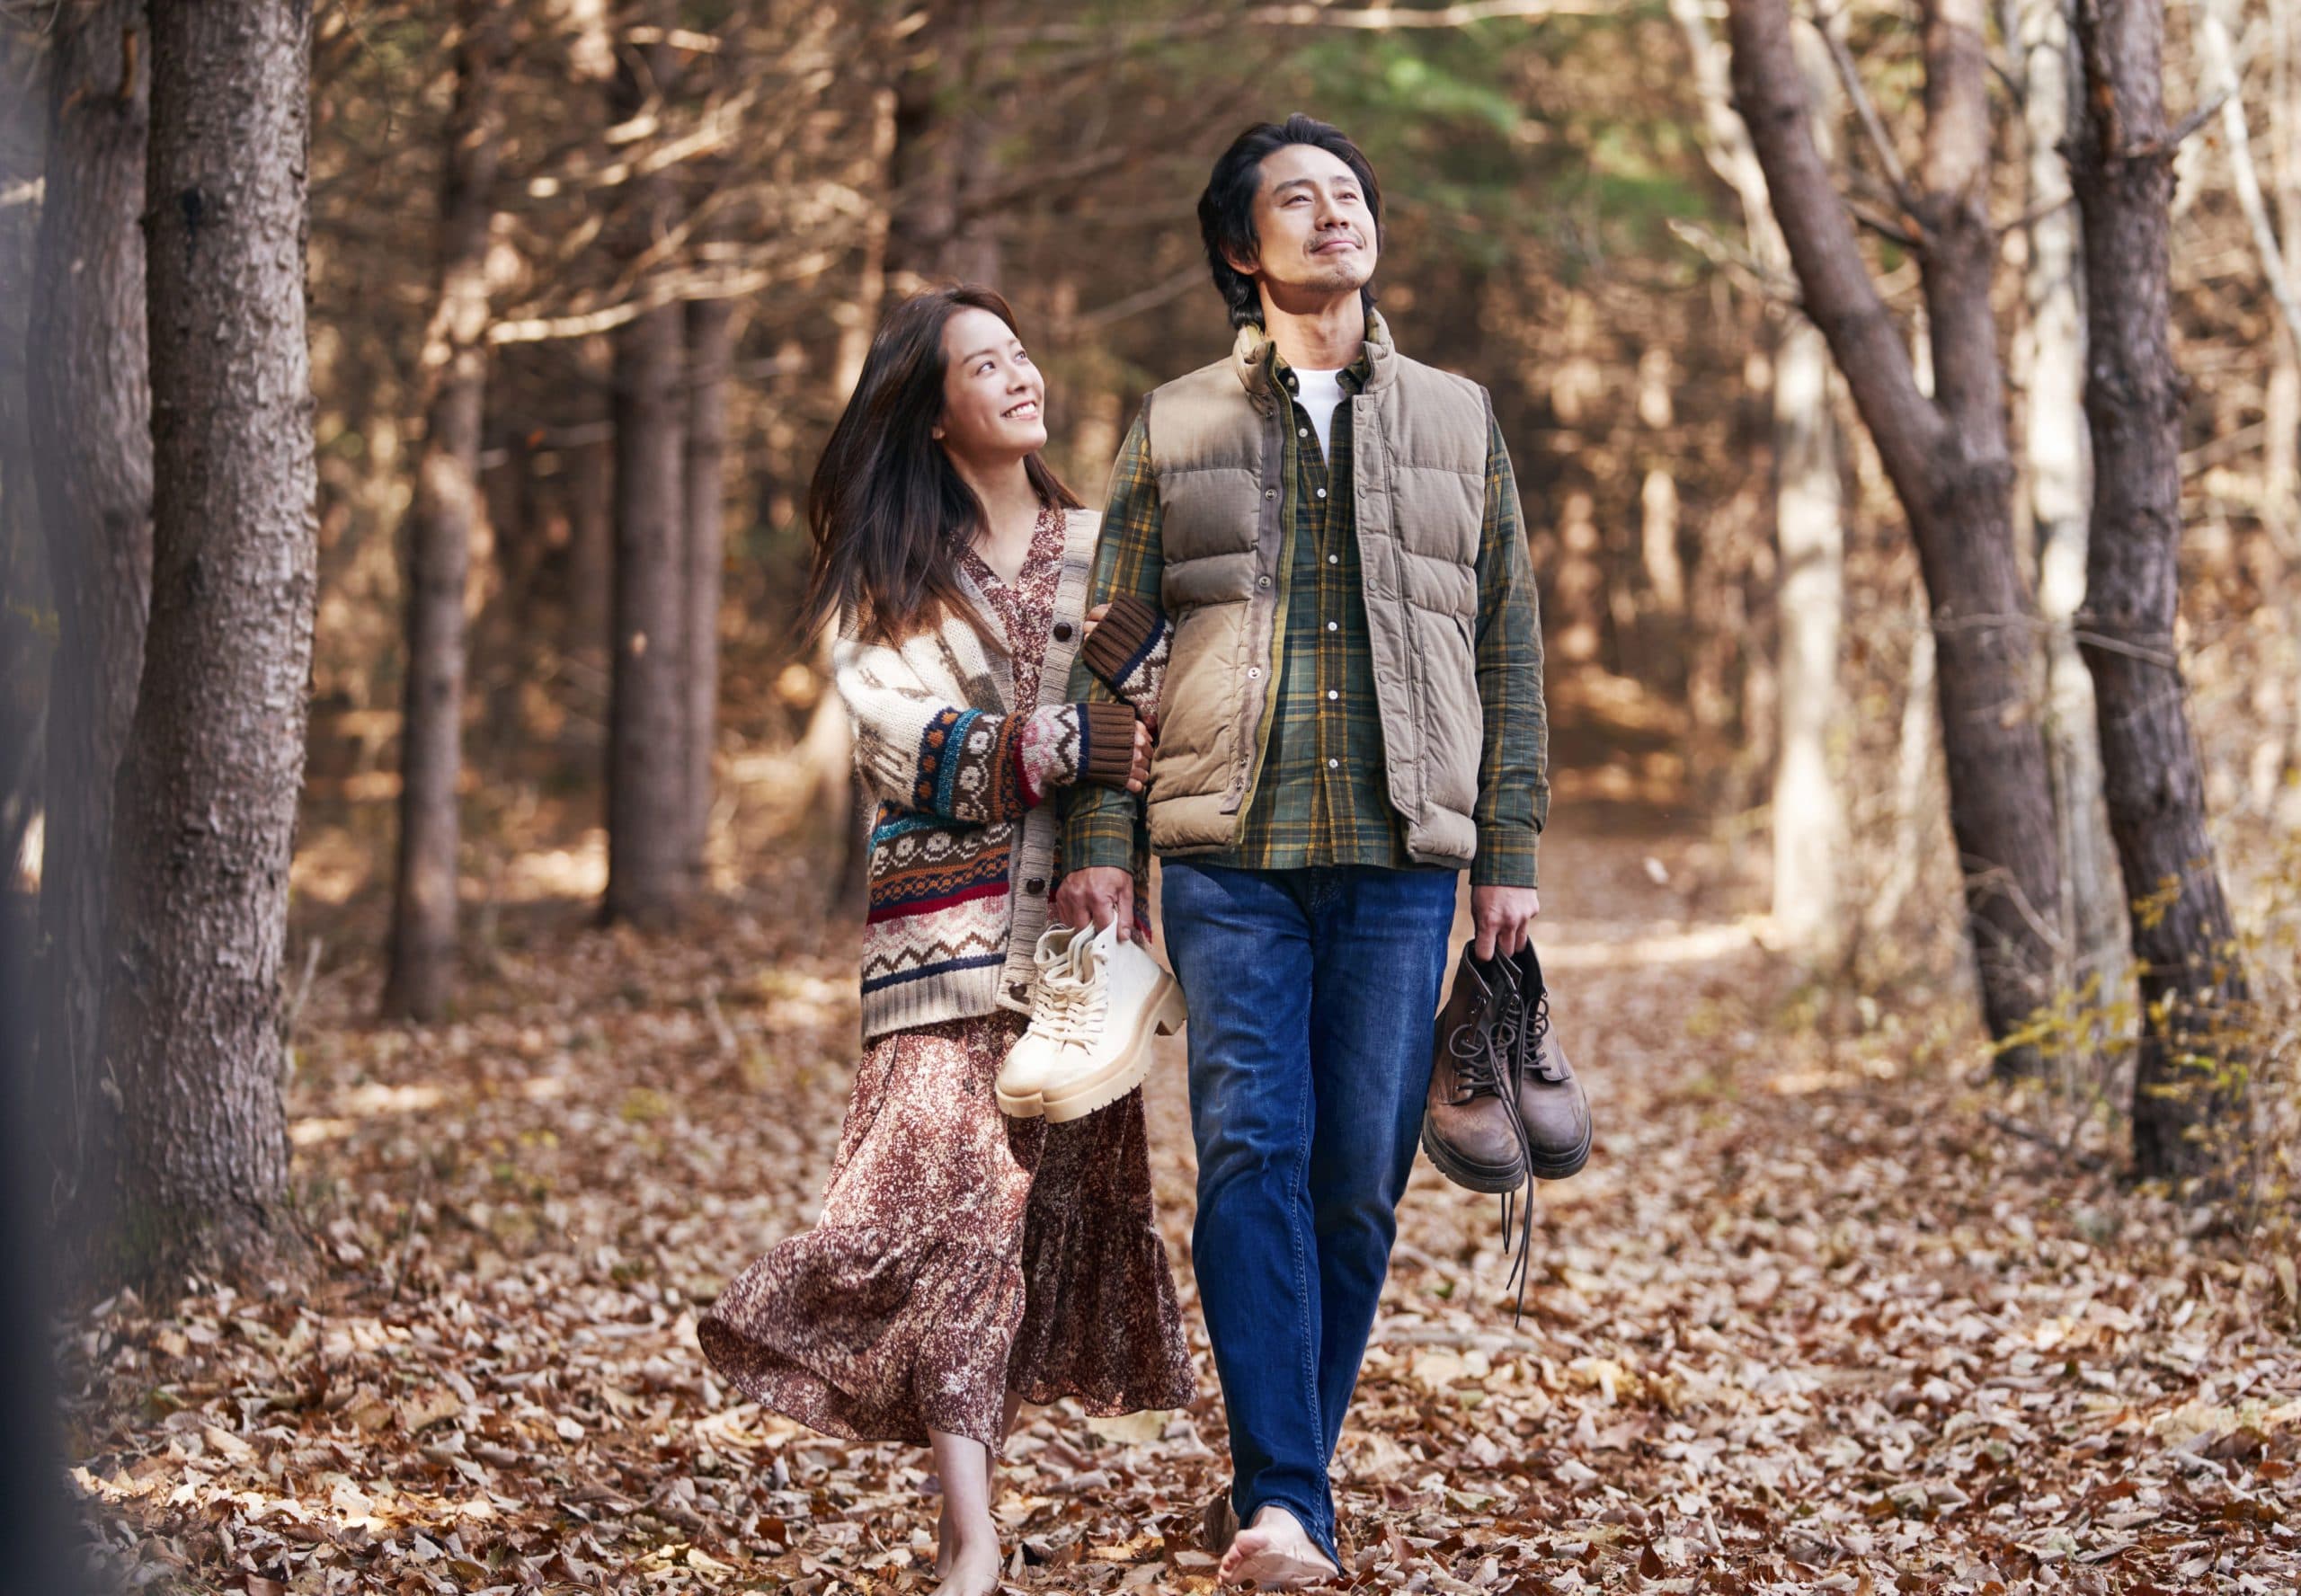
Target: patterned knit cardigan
point(961, 846)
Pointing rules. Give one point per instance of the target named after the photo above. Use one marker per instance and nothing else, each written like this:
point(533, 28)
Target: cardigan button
point(1018, 990)
point(1063, 630)
point(1036, 884)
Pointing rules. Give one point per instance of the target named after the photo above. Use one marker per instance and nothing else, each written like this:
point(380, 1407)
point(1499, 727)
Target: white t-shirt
point(1320, 391)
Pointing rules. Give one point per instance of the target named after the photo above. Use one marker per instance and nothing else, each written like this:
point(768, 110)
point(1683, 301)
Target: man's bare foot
point(971, 1570)
point(1278, 1554)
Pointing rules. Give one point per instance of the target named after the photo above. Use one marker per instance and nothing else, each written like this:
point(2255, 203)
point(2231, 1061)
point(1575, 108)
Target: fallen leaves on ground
point(1808, 1322)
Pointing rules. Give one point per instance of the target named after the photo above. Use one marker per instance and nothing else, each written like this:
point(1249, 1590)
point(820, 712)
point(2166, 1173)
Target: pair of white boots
point(1097, 1004)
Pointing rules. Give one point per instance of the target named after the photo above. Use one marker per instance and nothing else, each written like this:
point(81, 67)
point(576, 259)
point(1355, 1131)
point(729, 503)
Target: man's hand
point(1503, 918)
point(1097, 897)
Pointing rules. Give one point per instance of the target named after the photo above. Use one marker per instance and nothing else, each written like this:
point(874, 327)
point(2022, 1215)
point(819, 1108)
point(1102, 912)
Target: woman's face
point(993, 396)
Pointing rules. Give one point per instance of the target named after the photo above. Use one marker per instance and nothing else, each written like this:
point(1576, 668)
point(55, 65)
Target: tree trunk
point(710, 352)
point(207, 804)
point(649, 818)
point(422, 950)
point(589, 478)
point(1946, 457)
point(2189, 1095)
point(941, 161)
point(2093, 913)
point(92, 435)
point(1809, 812)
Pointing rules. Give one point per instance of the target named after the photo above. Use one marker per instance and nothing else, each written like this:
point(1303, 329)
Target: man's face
point(1315, 231)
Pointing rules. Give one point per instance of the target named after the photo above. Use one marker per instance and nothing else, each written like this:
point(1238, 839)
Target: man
point(1314, 564)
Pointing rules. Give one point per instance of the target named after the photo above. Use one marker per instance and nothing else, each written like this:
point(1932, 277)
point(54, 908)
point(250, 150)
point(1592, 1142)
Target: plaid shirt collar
point(1254, 356)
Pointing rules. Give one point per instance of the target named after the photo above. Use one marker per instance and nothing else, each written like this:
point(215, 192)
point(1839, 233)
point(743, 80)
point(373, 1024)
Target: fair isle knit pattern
point(962, 848)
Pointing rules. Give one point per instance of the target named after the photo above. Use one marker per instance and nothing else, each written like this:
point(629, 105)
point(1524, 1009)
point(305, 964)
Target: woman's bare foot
point(1278, 1554)
point(967, 1569)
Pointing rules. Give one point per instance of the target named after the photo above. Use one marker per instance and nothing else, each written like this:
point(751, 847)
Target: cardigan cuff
point(1127, 649)
point(1107, 757)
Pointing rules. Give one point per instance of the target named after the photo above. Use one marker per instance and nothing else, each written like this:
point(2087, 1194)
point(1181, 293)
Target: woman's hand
point(1140, 775)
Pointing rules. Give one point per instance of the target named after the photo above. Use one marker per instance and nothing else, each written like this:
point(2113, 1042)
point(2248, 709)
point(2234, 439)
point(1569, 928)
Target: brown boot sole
point(1493, 1179)
point(1559, 1169)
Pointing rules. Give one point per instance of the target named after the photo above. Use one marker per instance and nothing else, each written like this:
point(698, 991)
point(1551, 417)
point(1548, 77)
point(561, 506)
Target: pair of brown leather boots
point(1503, 1109)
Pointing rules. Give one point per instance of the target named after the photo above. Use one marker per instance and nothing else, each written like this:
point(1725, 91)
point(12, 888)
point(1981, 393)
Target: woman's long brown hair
point(886, 508)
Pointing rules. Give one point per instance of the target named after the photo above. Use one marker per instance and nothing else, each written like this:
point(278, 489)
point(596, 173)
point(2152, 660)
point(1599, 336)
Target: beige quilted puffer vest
point(1418, 454)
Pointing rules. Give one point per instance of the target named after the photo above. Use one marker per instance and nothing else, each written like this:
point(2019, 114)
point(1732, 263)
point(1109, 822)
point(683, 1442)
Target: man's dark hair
point(1226, 210)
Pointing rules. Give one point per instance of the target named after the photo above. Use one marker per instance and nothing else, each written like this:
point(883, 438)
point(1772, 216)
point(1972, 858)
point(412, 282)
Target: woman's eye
point(1022, 357)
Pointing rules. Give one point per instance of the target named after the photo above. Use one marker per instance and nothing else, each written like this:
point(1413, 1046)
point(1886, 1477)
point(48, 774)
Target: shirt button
point(1332, 695)
point(1301, 432)
point(1334, 763)
point(1322, 492)
point(1334, 559)
point(1334, 625)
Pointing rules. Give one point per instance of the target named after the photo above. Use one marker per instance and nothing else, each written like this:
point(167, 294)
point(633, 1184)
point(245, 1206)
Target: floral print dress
point(962, 1255)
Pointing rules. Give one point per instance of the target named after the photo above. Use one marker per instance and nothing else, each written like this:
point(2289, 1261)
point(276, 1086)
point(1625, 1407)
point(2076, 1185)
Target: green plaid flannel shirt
point(1322, 796)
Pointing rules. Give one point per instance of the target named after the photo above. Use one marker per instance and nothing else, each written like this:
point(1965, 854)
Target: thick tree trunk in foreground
point(2188, 1089)
point(1946, 458)
point(648, 814)
point(90, 416)
point(422, 950)
point(207, 807)
point(710, 353)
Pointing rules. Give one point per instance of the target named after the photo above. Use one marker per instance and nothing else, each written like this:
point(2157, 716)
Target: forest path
point(1807, 1321)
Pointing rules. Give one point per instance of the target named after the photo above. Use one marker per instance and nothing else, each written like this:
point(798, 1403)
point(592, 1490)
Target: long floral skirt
point(960, 1255)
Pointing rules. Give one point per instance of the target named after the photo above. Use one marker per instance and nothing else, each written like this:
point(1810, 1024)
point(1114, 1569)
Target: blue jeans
point(1313, 997)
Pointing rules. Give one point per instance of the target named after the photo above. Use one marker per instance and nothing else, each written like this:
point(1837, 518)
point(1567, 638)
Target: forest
point(433, 864)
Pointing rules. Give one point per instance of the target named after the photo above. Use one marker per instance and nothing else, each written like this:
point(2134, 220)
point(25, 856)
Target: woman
point(965, 1262)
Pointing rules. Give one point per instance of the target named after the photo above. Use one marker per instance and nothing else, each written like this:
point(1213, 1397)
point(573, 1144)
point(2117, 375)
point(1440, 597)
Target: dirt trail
point(1806, 1322)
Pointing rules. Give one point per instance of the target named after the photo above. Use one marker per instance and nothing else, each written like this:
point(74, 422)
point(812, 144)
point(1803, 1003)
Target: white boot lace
point(1075, 999)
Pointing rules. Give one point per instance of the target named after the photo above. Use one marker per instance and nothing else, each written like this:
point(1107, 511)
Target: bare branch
point(2034, 215)
point(1160, 293)
point(1884, 226)
point(2182, 131)
point(1872, 124)
point(1384, 18)
point(1369, 19)
point(2219, 83)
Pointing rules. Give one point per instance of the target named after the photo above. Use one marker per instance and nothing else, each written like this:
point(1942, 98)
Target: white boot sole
point(1164, 1016)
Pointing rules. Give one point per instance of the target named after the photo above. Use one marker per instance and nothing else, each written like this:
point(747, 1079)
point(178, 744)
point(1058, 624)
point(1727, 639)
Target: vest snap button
point(1270, 493)
point(1262, 582)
